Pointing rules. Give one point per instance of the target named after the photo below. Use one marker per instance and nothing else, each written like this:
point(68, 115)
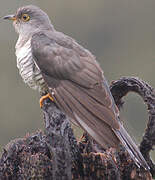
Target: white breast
point(28, 70)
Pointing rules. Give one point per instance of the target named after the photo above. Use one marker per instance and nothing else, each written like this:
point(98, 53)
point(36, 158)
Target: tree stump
point(56, 155)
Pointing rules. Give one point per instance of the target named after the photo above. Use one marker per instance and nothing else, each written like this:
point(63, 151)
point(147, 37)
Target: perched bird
point(56, 64)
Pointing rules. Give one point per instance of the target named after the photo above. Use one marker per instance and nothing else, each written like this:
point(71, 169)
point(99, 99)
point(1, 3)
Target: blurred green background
point(120, 33)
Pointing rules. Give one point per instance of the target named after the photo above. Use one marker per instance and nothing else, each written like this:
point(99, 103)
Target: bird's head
point(29, 19)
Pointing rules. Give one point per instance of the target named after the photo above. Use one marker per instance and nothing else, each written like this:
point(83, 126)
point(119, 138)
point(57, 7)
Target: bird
point(60, 68)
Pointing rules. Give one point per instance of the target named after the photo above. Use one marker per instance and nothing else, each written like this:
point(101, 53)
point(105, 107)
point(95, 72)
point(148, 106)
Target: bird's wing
point(78, 85)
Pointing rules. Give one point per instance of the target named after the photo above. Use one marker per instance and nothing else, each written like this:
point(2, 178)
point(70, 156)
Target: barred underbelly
point(28, 70)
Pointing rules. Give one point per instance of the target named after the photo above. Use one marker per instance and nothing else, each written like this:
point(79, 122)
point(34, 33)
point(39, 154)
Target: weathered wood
point(119, 89)
point(61, 141)
point(56, 155)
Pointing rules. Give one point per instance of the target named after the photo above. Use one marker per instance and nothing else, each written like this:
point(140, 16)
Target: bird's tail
point(131, 147)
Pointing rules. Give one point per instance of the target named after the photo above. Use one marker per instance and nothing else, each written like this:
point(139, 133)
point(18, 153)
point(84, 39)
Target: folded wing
point(78, 87)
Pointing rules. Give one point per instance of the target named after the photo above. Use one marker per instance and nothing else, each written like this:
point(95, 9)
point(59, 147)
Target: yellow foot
point(45, 97)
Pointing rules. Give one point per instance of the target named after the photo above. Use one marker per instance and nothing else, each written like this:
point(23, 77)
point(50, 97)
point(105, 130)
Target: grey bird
point(54, 63)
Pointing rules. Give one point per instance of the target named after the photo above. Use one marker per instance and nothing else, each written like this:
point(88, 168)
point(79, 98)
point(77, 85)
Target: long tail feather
point(99, 121)
point(131, 147)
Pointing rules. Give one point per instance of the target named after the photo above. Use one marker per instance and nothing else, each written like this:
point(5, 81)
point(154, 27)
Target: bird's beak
point(10, 17)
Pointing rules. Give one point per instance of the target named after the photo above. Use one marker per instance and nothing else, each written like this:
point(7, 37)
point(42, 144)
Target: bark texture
point(56, 154)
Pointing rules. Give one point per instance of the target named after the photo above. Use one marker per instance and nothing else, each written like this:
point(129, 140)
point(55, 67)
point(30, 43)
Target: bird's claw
point(45, 97)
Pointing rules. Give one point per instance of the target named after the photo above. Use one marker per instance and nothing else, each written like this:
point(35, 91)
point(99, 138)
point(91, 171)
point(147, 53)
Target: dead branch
point(119, 89)
point(55, 154)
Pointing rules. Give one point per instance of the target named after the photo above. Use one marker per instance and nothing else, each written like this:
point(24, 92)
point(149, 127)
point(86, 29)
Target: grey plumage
point(54, 62)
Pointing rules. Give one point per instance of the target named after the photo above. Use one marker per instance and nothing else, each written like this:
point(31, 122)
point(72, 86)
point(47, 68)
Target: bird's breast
point(28, 70)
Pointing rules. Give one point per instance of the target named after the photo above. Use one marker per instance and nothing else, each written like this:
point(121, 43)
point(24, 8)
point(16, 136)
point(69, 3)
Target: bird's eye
point(25, 17)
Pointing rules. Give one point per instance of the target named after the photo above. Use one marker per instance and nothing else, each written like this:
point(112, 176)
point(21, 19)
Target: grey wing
point(81, 91)
point(78, 85)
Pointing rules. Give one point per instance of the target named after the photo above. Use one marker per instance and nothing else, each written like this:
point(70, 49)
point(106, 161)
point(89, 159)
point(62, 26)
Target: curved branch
point(119, 89)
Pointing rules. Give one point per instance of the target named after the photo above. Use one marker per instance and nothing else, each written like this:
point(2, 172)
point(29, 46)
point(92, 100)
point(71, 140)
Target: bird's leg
point(45, 97)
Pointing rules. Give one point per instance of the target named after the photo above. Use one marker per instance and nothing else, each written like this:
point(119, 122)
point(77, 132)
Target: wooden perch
point(56, 155)
point(119, 89)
